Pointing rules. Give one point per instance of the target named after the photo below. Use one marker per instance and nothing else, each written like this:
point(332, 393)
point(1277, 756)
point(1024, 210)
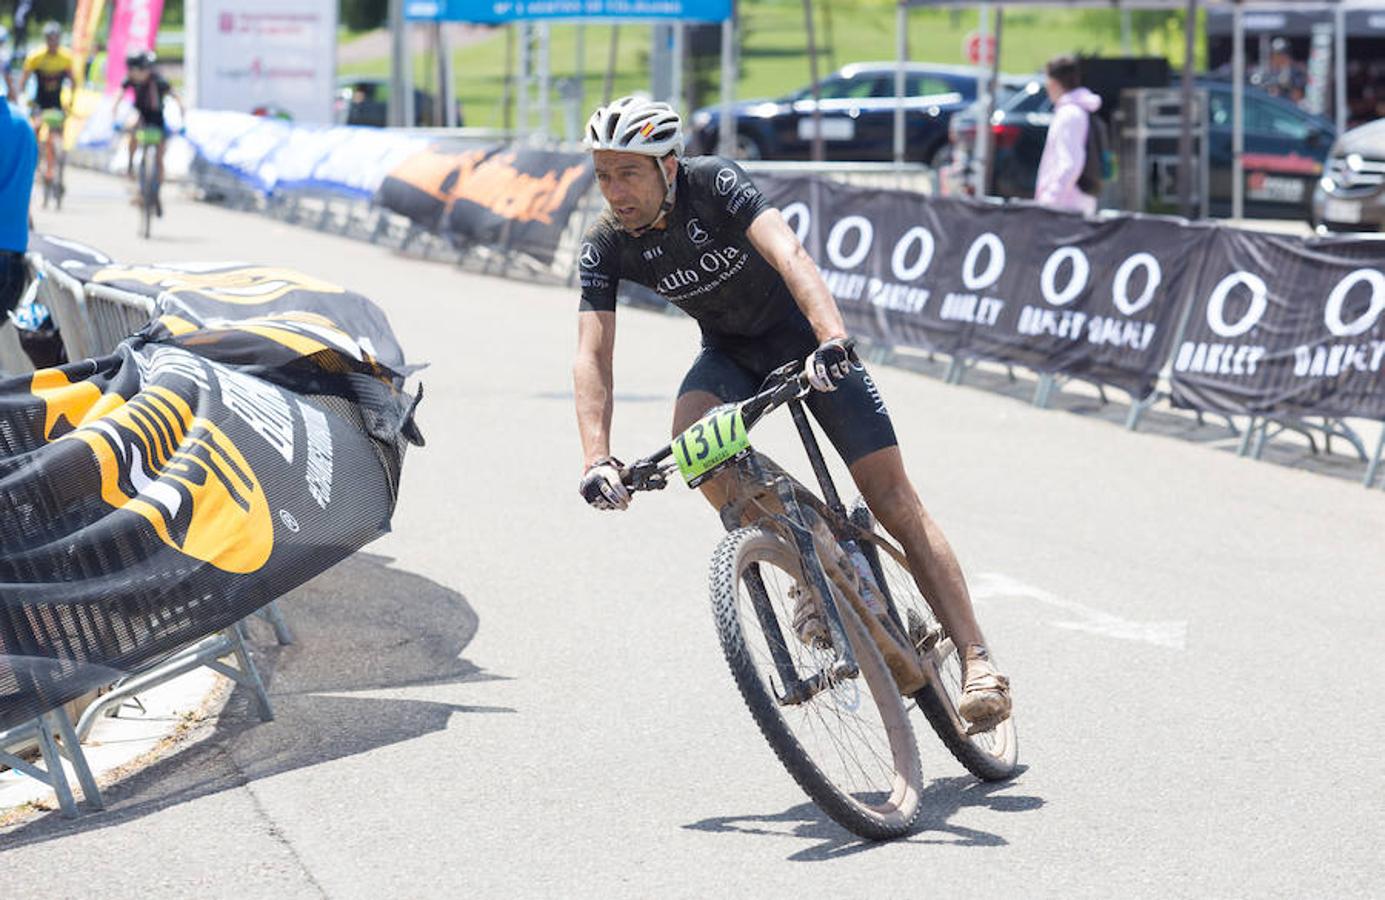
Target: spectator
point(18, 157)
point(1282, 76)
point(1065, 149)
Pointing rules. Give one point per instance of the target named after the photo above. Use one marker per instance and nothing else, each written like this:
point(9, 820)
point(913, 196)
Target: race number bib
point(713, 441)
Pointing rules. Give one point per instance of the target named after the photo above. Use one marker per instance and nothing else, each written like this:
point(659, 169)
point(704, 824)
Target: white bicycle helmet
point(635, 125)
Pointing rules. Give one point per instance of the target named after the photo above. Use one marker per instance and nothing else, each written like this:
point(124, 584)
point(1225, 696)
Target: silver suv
point(1351, 195)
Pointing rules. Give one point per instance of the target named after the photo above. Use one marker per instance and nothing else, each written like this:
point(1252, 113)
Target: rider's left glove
point(828, 365)
point(601, 485)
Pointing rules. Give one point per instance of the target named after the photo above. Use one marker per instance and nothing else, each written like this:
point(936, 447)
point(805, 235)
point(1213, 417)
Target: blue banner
point(511, 10)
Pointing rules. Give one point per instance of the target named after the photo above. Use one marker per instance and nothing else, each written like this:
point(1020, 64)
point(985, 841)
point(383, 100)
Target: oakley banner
point(1014, 283)
point(511, 198)
point(1283, 325)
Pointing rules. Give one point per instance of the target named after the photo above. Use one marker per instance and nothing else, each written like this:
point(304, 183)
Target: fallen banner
point(163, 492)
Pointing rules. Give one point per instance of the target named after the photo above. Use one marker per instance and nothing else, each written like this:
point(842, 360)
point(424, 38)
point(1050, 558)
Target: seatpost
point(810, 444)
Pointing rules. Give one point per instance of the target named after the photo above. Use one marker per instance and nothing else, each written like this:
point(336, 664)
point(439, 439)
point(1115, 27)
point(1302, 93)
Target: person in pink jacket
point(1065, 150)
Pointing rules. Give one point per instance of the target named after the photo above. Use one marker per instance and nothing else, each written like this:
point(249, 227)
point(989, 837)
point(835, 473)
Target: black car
point(1285, 149)
point(858, 106)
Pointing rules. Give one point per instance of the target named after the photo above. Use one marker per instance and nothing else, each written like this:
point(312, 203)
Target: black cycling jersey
point(701, 261)
point(149, 99)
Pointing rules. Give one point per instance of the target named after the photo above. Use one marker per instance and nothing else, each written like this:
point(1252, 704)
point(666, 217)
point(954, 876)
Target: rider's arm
point(593, 382)
point(775, 241)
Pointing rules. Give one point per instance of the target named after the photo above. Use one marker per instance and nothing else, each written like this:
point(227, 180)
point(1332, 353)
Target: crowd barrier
point(1286, 332)
point(136, 599)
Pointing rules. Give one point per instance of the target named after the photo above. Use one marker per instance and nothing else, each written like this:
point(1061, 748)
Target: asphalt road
point(513, 695)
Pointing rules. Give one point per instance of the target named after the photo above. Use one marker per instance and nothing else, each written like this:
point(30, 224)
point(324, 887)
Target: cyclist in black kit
point(700, 233)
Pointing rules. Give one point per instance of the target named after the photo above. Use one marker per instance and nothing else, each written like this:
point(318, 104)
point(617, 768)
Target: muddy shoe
point(985, 699)
point(808, 623)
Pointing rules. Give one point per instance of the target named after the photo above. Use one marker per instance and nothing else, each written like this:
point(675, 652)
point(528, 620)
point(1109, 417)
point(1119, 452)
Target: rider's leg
point(885, 485)
point(856, 420)
point(50, 153)
point(130, 165)
point(159, 165)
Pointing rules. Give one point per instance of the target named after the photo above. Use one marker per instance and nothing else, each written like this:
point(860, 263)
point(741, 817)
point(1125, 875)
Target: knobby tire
point(991, 756)
point(737, 552)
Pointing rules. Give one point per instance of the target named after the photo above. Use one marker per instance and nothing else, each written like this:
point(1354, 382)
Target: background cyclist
point(52, 66)
point(700, 233)
point(150, 88)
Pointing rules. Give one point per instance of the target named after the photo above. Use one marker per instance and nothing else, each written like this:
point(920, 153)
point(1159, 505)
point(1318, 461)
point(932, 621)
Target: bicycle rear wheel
point(991, 755)
point(849, 746)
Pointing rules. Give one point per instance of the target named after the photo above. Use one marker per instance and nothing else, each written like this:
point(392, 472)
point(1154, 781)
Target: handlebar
point(788, 382)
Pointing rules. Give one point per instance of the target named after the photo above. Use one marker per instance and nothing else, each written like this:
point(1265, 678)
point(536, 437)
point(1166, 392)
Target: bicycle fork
point(799, 690)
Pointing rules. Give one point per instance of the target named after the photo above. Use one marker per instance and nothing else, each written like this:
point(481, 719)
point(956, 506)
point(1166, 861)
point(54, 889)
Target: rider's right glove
point(601, 485)
point(829, 364)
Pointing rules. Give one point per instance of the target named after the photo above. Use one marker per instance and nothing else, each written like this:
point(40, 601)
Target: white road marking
point(994, 586)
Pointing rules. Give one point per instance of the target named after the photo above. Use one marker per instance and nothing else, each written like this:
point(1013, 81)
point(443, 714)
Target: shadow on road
point(361, 626)
point(939, 802)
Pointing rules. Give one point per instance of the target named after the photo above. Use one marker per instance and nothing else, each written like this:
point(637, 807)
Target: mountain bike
point(834, 708)
point(147, 142)
point(55, 157)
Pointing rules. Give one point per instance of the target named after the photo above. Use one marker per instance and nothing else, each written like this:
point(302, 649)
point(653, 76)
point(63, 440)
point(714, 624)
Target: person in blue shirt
point(18, 157)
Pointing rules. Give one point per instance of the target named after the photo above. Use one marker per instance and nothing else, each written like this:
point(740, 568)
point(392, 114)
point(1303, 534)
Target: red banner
point(134, 26)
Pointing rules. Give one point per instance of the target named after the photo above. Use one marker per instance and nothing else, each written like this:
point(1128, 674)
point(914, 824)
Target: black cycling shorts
point(853, 416)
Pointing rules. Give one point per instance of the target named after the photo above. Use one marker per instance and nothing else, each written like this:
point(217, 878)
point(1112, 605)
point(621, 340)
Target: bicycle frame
point(799, 505)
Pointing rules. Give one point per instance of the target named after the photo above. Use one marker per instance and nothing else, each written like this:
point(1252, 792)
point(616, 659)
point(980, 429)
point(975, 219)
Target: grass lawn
point(774, 56)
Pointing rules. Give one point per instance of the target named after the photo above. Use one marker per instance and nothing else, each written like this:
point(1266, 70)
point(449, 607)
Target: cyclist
point(150, 88)
point(700, 233)
point(51, 66)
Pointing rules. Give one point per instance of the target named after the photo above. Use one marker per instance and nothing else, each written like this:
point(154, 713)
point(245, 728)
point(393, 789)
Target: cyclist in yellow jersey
point(51, 66)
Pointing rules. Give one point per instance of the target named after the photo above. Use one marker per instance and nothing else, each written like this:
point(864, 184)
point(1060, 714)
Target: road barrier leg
point(275, 617)
point(53, 764)
point(1244, 448)
point(72, 749)
point(1375, 460)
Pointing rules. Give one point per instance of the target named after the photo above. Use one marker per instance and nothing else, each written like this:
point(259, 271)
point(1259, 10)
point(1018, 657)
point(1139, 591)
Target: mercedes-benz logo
point(726, 180)
point(589, 258)
point(696, 233)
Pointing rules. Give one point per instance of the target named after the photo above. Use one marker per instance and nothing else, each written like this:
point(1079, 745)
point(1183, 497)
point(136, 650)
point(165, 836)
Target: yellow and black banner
point(516, 198)
point(154, 496)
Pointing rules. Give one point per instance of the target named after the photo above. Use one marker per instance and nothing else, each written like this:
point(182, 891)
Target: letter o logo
point(1216, 306)
point(908, 272)
point(798, 210)
point(1332, 315)
point(995, 263)
point(866, 233)
point(1120, 288)
point(1081, 270)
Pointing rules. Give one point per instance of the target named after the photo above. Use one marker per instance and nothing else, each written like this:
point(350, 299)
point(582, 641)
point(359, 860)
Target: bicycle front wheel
point(849, 745)
point(146, 192)
point(990, 755)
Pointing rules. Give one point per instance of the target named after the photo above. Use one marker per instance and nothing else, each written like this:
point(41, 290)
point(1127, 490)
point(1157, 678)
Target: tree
point(362, 15)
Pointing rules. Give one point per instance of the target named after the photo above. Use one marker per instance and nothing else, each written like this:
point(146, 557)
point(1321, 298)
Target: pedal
point(985, 725)
point(921, 636)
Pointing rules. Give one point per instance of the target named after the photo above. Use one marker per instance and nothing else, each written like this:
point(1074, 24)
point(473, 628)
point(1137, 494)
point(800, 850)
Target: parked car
point(858, 106)
point(1351, 196)
point(365, 101)
point(1285, 148)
